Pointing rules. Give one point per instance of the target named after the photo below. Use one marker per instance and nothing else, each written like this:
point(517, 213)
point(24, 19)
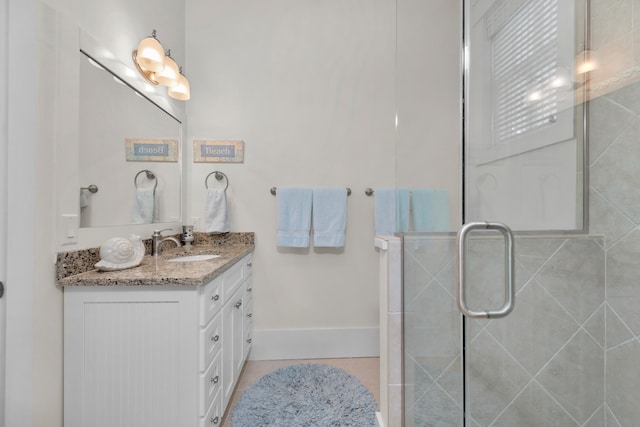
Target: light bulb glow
point(150, 55)
point(181, 90)
point(169, 75)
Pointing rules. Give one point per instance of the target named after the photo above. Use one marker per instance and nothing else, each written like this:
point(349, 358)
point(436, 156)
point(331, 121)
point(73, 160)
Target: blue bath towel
point(329, 217)
point(391, 210)
point(430, 210)
point(294, 216)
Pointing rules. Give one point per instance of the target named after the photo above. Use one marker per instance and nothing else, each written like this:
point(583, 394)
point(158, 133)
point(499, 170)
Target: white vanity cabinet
point(155, 355)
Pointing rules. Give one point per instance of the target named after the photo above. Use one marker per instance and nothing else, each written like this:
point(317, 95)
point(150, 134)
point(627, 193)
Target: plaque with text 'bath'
point(151, 150)
point(218, 151)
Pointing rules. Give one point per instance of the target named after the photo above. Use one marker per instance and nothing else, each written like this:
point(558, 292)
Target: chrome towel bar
point(275, 189)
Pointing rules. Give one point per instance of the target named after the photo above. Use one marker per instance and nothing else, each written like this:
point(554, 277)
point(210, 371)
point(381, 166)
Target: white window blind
point(524, 63)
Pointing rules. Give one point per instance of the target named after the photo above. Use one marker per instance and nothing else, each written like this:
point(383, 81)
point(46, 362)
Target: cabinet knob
point(238, 304)
point(249, 341)
point(214, 380)
point(249, 289)
point(214, 420)
point(250, 315)
point(249, 264)
point(215, 297)
point(215, 338)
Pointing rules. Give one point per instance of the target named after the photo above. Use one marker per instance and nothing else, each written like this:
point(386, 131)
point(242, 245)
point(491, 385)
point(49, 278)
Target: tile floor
point(367, 370)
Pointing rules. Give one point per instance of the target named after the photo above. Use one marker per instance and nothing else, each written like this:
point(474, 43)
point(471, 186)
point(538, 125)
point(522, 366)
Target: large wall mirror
point(113, 118)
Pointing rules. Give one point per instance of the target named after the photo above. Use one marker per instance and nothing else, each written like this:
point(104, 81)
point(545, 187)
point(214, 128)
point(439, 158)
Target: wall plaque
point(218, 151)
point(151, 150)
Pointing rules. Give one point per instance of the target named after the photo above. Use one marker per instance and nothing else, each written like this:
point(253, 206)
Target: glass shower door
point(527, 83)
point(543, 364)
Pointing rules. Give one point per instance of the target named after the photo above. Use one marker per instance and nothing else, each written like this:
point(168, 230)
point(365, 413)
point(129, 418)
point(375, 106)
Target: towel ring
point(150, 175)
point(91, 189)
point(219, 176)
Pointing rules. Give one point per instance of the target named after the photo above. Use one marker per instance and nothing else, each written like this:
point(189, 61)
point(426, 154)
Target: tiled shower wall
point(614, 206)
point(542, 365)
point(615, 213)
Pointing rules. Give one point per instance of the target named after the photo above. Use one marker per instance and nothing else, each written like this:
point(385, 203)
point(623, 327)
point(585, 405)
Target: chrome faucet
point(157, 239)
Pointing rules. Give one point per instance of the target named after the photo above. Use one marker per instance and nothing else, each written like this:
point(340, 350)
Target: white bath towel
point(329, 217)
point(84, 197)
point(294, 216)
point(215, 214)
point(143, 206)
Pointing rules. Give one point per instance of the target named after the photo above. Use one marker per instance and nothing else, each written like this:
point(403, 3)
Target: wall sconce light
point(159, 68)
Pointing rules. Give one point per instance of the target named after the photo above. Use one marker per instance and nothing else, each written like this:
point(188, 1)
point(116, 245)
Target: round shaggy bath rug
point(305, 395)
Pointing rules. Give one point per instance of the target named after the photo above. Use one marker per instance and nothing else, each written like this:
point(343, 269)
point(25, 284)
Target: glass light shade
point(182, 90)
point(150, 55)
point(168, 76)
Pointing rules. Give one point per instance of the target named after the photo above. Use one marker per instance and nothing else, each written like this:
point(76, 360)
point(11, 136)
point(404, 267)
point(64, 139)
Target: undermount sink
point(193, 258)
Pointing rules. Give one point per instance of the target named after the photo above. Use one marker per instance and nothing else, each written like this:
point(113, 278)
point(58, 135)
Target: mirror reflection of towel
point(143, 205)
point(215, 214)
point(430, 209)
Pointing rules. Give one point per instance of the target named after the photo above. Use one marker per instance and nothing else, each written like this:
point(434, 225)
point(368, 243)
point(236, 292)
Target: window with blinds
point(525, 58)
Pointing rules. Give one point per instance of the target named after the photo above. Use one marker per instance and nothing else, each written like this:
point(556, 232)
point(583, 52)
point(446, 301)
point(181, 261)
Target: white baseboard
point(379, 420)
point(278, 344)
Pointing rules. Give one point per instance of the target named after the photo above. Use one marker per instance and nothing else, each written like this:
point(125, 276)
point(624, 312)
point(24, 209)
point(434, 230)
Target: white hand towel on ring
point(215, 215)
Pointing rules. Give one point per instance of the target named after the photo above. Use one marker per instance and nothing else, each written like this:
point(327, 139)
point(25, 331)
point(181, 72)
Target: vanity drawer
point(214, 414)
point(233, 277)
point(211, 300)
point(210, 341)
point(210, 383)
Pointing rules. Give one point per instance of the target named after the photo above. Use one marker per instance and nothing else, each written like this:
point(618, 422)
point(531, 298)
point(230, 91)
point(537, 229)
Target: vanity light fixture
point(158, 67)
point(180, 91)
point(150, 55)
point(169, 75)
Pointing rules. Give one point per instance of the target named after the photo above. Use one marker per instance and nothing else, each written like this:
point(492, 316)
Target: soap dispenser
point(187, 235)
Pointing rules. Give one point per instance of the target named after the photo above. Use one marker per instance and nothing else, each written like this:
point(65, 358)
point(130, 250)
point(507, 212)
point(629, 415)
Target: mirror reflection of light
point(561, 79)
point(117, 80)
point(105, 53)
point(586, 62)
point(587, 66)
point(129, 72)
point(95, 64)
point(535, 95)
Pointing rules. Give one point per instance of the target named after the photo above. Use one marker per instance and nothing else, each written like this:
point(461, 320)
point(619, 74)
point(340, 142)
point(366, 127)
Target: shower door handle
point(461, 243)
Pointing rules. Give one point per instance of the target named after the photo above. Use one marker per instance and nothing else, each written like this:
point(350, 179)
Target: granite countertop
point(160, 271)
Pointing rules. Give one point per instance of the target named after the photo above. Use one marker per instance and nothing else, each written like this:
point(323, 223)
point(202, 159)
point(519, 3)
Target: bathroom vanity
point(162, 344)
